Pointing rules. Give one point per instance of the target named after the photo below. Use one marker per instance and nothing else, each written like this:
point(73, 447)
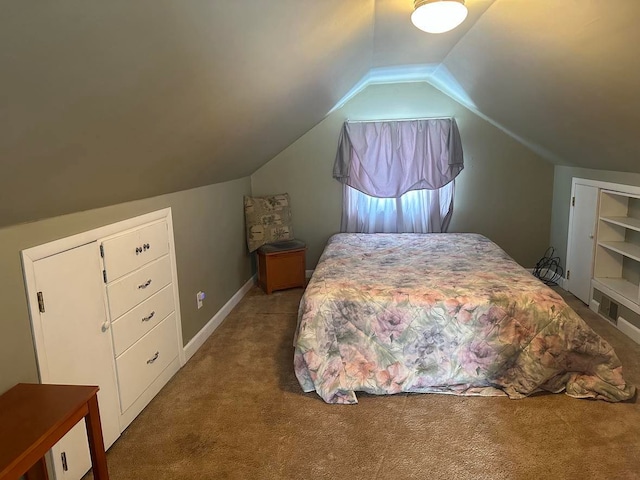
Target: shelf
point(628, 250)
point(622, 286)
point(617, 193)
point(627, 222)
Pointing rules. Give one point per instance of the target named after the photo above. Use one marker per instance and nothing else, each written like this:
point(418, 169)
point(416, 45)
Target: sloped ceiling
point(562, 75)
point(105, 102)
point(109, 101)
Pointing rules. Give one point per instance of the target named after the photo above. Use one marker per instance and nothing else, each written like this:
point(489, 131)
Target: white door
point(77, 345)
point(582, 241)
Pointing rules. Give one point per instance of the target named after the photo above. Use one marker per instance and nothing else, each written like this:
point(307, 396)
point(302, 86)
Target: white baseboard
point(307, 274)
point(196, 342)
point(629, 330)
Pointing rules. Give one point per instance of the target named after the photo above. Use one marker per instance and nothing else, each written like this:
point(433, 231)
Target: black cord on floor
point(548, 268)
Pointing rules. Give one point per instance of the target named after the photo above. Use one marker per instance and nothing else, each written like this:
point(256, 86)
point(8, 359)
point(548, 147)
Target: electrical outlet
point(200, 299)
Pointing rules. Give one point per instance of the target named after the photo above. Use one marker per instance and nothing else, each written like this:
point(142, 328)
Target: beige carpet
point(236, 411)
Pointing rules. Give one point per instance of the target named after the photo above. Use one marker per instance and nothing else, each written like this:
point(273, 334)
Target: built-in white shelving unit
point(617, 260)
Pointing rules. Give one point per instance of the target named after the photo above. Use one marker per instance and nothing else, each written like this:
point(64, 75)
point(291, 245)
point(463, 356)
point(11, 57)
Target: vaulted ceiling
point(105, 102)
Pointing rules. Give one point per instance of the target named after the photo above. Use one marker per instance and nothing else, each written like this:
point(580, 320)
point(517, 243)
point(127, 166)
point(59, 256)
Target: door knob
point(105, 326)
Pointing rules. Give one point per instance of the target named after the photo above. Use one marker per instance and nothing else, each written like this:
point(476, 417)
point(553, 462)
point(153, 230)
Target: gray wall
point(563, 177)
point(504, 192)
point(211, 255)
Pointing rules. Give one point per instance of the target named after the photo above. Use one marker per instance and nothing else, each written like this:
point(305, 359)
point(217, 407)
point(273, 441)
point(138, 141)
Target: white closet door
point(582, 241)
point(77, 345)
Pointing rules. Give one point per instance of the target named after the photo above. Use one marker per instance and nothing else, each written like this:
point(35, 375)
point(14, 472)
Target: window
point(417, 211)
point(398, 176)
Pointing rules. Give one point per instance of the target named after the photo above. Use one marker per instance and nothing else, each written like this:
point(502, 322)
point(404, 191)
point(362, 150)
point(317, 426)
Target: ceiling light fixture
point(438, 16)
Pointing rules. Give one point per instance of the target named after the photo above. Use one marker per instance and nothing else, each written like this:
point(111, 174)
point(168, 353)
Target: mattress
point(442, 313)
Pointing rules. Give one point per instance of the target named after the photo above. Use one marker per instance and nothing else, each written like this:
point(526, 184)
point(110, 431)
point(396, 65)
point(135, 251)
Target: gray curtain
point(389, 159)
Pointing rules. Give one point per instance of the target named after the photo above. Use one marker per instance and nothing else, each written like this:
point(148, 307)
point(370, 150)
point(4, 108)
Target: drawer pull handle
point(145, 284)
point(155, 357)
point(149, 317)
point(143, 248)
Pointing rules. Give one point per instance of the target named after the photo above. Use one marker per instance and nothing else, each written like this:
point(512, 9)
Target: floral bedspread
point(445, 313)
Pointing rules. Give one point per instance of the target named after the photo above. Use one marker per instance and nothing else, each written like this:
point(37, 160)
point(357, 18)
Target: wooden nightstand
point(281, 265)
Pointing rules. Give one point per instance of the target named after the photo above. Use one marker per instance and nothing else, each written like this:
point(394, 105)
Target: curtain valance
point(388, 159)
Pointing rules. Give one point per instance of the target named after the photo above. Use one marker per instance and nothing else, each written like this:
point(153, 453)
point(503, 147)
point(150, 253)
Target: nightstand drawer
point(136, 287)
point(139, 366)
point(128, 252)
point(138, 321)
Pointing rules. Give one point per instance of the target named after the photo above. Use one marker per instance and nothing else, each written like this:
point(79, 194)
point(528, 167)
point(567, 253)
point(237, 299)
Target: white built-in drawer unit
point(142, 309)
point(111, 320)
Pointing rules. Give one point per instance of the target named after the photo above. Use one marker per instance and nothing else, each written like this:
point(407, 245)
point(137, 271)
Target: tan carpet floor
point(236, 411)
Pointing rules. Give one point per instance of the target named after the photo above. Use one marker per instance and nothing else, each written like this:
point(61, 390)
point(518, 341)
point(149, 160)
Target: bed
point(442, 313)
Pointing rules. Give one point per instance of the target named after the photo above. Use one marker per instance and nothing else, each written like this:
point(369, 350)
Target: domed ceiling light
point(438, 16)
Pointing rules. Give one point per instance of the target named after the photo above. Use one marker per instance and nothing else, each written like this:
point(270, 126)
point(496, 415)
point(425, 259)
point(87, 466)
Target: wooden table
point(33, 417)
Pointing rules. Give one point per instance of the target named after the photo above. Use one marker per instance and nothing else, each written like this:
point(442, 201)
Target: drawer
point(128, 252)
point(134, 324)
point(141, 364)
point(129, 291)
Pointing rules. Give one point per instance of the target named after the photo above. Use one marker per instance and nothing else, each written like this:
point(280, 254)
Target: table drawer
point(134, 324)
point(128, 252)
point(141, 364)
point(136, 287)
